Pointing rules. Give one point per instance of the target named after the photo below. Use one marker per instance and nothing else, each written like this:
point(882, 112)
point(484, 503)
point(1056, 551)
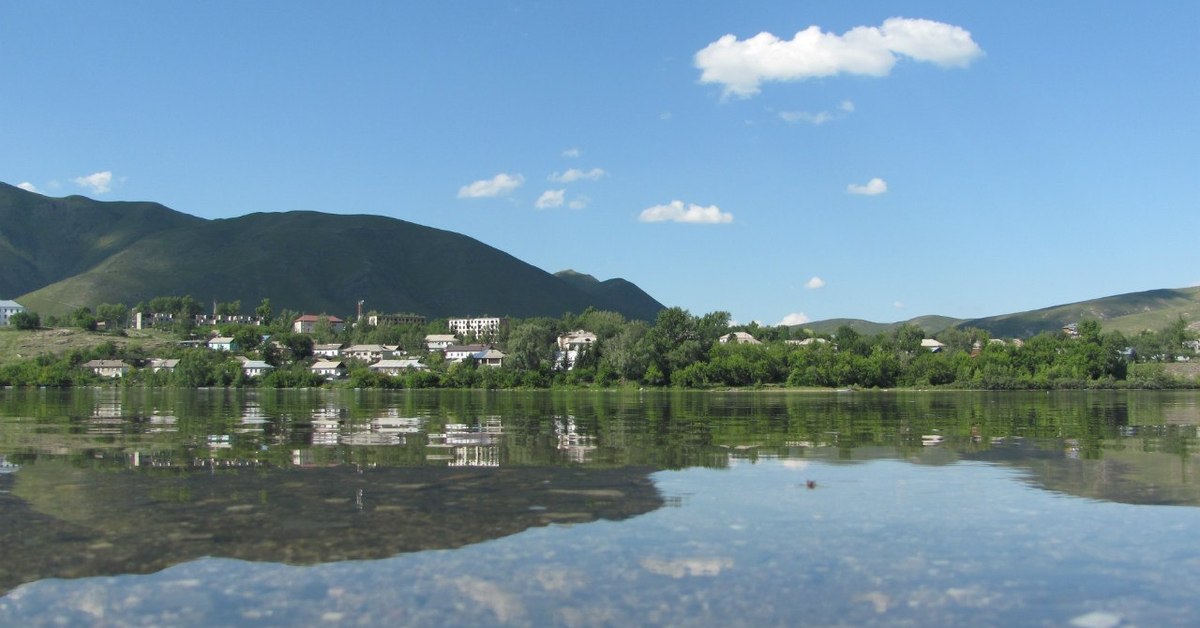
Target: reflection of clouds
point(505, 606)
point(795, 464)
point(560, 580)
point(681, 567)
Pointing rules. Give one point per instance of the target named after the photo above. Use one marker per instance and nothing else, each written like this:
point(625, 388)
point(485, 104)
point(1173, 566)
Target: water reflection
point(111, 481)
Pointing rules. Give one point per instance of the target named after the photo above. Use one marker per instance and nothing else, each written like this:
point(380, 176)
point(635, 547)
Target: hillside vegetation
point(61, 254)
point(1129, 314)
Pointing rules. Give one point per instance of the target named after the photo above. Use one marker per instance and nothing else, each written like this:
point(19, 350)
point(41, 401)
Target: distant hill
point(64, 253)
point(930, 324)
point(1128, 313)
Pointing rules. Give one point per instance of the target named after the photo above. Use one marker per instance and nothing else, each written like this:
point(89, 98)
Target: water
point(218, 507)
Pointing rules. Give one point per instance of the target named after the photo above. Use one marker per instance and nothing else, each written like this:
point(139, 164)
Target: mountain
point(1128, 313)
point(44, 240)
point(930, 325)
point(304, 261)
point(618, 290)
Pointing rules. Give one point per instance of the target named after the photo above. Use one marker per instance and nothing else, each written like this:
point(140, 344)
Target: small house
point(439, 342)
point(397, 367)
point(108, 368)
point(329, 368)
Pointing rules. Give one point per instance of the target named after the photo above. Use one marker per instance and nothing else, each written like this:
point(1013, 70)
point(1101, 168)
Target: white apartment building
point(7, 309)
point(477, 327)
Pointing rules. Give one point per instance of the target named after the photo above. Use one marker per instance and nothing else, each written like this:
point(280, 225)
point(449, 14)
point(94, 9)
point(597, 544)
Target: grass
point(16, 346)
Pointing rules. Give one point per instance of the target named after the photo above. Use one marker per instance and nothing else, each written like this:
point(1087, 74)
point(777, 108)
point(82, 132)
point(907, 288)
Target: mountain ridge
point(303, 260)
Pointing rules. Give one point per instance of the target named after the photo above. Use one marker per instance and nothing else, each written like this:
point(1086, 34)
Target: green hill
point(930, 324)
point(305, 261)
point(44, 240)
point(1128, 313)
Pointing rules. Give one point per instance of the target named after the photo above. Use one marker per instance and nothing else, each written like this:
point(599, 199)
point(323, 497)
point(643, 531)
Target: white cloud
point(571, 152)
point(795, 318)
point(575, 174)
point(675, 211)
point(847, 106)
point(815, 119)
point(97, 182)
point(899, 305)
point(874, 187)
point(742, 66)
point(27, 186)
point(579, 203)
point(814, 283)
point(550, 198)
point(498, 185)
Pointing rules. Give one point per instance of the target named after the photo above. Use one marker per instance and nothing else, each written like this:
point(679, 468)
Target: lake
point(432, 508)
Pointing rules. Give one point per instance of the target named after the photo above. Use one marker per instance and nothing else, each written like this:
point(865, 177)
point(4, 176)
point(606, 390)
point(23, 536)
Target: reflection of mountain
point(1123, 474)
point(65, 522)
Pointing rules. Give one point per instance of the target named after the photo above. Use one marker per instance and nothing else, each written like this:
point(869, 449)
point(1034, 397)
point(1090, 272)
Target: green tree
point(25, 320)
point(83, 319)
point(114, 315)
point(263, 311)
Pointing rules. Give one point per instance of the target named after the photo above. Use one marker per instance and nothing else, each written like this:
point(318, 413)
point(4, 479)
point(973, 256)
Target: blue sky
point(893, 160)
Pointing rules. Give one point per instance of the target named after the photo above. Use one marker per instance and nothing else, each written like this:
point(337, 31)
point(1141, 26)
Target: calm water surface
point(216, 507)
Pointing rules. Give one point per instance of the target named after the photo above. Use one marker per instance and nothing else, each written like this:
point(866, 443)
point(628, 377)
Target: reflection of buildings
point(579, 447)
point(107, 416)
point(6, 466)
point(469, 447)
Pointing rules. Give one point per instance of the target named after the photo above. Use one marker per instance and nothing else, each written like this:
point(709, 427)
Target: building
point(477, 327)
point(932, 345)
point(570, 346)
point(489, 357)
point(740, 338)
point(367, 353)
point(307, 324)
point(376, 320)
point(163, 364)
point(439, 342)
point(254, 368)
point(333, 350)
point(458, 353)
point(108, 368)
point(7, 309)
point(397, 367)
point(328, 368)
point(222, 343)
point(576, 340)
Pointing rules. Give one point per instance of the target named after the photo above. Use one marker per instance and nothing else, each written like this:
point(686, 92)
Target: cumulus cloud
point(874, 187)
point(498, 185)
point(27, 186)
point(795, 318)
point(899, 305)
point(550, 198)
point(97, 182)
point(847, 106)
point(676, 211)
point(741, 66)
point(575, 174)
point(571, 153)
point(579, 203)
point(814, 283)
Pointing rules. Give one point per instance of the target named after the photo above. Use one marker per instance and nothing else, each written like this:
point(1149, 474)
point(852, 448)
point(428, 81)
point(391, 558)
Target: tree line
point(678, 349)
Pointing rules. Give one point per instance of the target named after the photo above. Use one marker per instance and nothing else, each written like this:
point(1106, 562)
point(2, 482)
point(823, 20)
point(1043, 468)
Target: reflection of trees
point(60, 520)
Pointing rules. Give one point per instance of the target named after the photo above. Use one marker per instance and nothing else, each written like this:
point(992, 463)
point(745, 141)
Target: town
point(224, 347)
